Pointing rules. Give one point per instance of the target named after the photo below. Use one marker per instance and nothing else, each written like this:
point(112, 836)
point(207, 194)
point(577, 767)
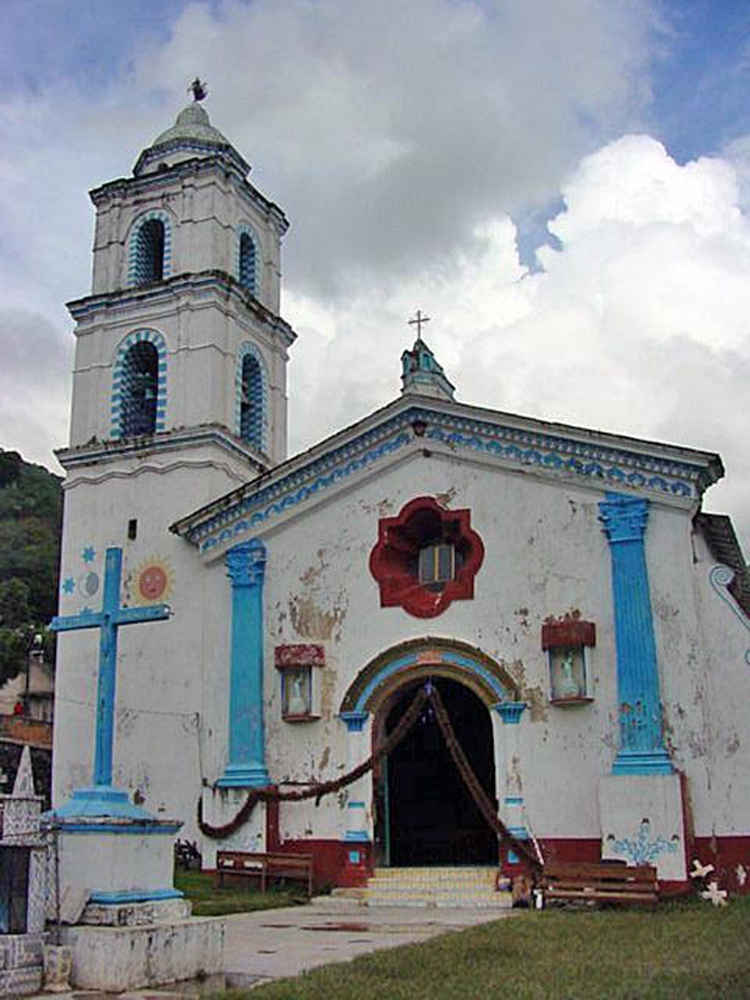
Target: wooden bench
point(606, 882)
point(297, 867)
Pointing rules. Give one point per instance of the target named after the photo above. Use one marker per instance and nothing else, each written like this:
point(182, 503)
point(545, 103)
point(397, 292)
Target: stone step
point(445, 888)
point(469, 883)
point(437, 880)
point(436, 875)
point(435, 870)
point(498, 901)
point(344, 893)
point(453, 886)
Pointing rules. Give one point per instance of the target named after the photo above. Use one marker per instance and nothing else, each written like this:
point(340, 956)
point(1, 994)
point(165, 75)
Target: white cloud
point(34, 386)
point(390, 130)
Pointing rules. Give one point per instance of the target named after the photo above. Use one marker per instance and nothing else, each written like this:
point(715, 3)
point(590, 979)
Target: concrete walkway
point(277, 943)
point(271, 944)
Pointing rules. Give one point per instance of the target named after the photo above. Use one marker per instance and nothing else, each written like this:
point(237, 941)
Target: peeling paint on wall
point(328, 682)
point(536, 698)
point(445, 499)
point(313, 613)
point(314, 622)
point(535, 695)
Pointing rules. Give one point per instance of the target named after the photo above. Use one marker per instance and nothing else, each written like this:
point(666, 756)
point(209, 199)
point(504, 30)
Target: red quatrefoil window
point(425, 558)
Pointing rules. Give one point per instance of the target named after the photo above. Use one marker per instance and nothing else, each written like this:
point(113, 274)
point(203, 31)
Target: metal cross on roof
point(418, 320)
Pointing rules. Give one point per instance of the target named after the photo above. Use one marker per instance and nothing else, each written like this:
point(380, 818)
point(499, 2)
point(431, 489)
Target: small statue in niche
point(568, 685)
point(297, 704)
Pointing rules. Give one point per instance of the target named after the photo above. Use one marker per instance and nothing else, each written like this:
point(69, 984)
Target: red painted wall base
point(730, 856)
point(338, 863)
point(334, 861)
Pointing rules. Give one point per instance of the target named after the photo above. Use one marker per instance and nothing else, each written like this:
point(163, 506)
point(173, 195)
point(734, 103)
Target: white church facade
point(585, 624)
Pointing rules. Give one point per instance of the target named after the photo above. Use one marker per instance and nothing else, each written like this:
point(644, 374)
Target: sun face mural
point(152, 582)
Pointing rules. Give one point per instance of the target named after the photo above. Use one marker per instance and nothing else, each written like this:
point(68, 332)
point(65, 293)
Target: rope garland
point(318, 789)
point(472, 783)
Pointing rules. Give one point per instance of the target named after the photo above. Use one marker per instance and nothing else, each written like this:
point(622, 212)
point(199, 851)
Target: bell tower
point(179, 397)
point(181, 340)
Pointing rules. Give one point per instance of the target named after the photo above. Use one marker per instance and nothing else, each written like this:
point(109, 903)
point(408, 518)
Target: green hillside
point(30, 521)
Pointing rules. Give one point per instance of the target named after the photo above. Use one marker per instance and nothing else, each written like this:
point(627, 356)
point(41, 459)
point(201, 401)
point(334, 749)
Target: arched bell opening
point(425, 813)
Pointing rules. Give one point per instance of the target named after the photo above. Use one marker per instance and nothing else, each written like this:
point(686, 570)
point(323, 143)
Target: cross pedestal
point(112, 850)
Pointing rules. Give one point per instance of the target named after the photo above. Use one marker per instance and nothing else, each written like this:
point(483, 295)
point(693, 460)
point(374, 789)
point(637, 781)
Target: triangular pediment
point(414, 425)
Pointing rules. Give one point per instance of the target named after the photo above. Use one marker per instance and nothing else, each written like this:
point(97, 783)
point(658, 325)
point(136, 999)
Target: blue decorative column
point(356, 807)
point(642, 748)
point(246, 564)
point(511, 801)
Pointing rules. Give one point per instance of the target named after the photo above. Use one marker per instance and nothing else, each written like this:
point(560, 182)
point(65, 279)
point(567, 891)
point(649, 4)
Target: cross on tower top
point(418, 321)
point(199, 89)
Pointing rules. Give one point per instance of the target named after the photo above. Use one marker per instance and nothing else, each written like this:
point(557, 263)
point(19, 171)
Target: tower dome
point(192, 123)
point(192, 135)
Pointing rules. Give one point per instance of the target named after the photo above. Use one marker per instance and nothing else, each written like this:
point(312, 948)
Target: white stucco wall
point(161, 666)
point(545, 554)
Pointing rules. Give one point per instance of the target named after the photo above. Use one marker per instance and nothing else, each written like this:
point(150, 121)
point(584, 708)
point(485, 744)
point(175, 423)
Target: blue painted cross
point(108, 621)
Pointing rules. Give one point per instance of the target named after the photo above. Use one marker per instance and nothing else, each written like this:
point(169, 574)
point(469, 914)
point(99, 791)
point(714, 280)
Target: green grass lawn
point(688, 951)
point(210, 901)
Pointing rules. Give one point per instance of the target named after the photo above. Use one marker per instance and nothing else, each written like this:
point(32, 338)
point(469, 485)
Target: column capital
point(510, 711)
point(246, 563)
point(354, 721)
point(624, 518)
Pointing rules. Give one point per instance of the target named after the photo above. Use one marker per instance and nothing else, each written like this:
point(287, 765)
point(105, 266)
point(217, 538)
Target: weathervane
point(418, 320)
point(199, 89)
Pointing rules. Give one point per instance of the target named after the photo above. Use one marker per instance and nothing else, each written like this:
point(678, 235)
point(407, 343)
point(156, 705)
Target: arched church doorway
point(425, 814)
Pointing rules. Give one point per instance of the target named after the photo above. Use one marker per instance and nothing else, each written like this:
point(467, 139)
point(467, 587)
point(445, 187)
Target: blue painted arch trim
point(118, 382)
point(434, 657)
point(246, 349)
point(164, 218)
point(252, 285)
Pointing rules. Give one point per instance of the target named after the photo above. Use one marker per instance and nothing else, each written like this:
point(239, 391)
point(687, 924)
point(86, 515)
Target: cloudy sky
point(562, 185)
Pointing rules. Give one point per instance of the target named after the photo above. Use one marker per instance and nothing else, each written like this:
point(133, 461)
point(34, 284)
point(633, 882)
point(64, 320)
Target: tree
point(14, 603)
point(30, 524)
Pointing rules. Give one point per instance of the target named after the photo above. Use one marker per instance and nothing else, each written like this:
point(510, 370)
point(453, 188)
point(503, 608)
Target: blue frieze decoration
point(547, 452)
point(291, 500)
point(644, 850)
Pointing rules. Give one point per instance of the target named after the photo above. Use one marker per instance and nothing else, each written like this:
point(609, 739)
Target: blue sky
point(552, 179)
point(83, 44)
point(701, 82)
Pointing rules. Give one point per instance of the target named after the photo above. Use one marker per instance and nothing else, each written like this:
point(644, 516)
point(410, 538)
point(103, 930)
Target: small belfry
point(181, 335)
point(421, 372)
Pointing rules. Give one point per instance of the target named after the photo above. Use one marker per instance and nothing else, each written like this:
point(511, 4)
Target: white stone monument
point(23, 885)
